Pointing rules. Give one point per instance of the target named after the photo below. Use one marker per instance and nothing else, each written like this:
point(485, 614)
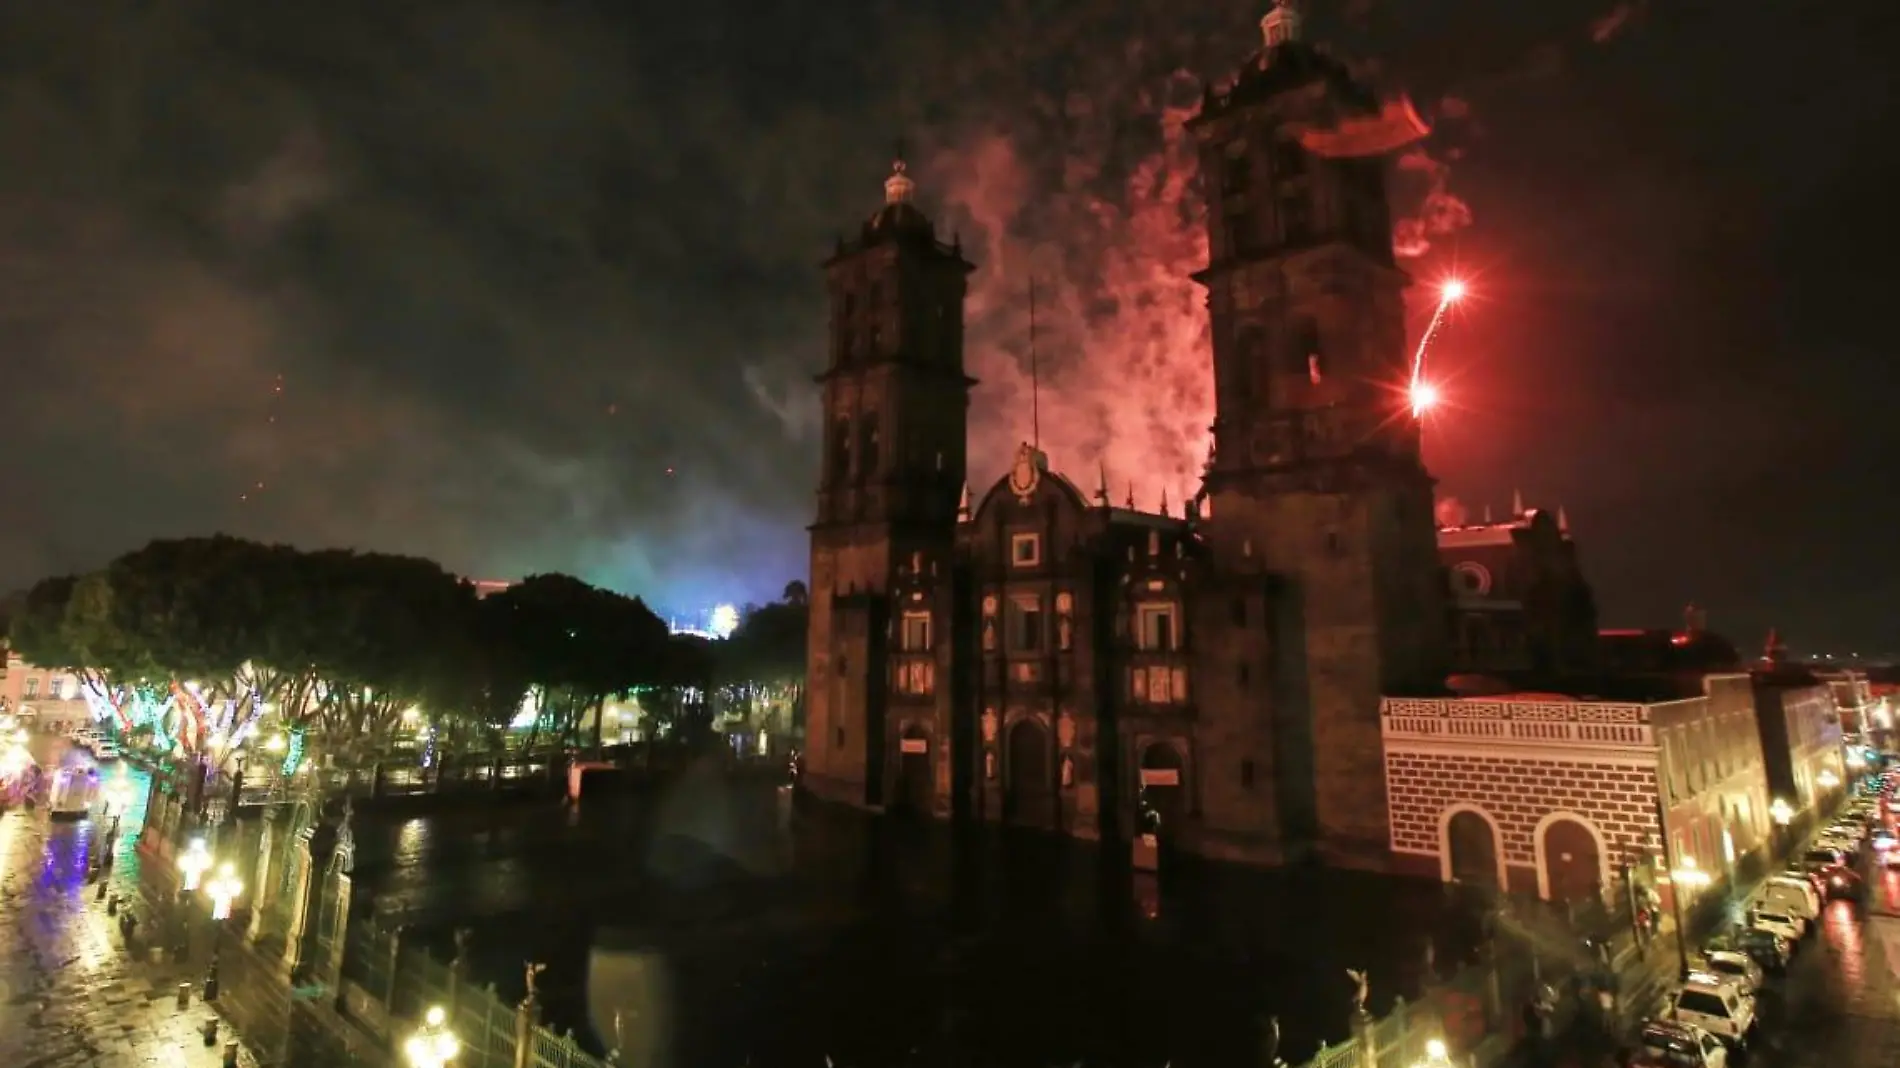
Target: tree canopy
point(202, 638)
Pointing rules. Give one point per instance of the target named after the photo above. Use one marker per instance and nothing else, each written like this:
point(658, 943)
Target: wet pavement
point(70, 992)
point(842, 936)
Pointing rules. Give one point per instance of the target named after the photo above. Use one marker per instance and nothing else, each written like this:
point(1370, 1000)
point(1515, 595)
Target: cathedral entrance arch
point(1570, 860)
point(1471, 849)
point(1031, 799)
point(1163, 776)
point(916, 792)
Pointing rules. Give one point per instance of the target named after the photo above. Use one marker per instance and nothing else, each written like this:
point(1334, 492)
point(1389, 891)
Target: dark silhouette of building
point(1520, 606)
point(1038, 655)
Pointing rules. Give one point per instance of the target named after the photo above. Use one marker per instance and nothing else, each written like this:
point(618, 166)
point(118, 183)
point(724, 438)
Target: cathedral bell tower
point(1321, 505)
point(895, 404)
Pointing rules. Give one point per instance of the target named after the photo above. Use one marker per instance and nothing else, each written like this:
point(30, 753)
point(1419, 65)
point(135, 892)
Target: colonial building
point(46, 697)
point(1519, 603)
point(1801, 736)
point(1032, 653)
point(1563, 796)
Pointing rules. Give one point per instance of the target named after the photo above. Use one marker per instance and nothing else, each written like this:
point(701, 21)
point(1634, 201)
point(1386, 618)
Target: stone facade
point(1555, 795)
point(1038, 655)
point(1801, 735)
point(1521, 767)
point(1518, 599)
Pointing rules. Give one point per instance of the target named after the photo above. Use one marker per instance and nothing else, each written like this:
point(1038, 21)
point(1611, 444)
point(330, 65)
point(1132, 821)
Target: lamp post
point(1691, 876)
point(433, 1045)
point(222, 889)
point(1436, 1055)
point(192, 864)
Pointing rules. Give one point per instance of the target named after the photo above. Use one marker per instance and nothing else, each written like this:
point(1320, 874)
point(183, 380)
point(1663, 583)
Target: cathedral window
point(1025, 624)
point(841, 448)
point(1289, 160)
point(1246, 362)
point(1243, 237)
point(1156, 629)
point(1296, 218)
point(1246, 774)
point(916, 633)
point(1237, 174)
point(1305, 357)
point(870, 440)
point(850, 304)
point(1025, 550)
point(1242, 676)
point(1240, 611)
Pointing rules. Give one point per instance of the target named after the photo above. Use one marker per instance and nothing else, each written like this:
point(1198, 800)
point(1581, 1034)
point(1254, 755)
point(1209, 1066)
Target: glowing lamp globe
point(1424, 397)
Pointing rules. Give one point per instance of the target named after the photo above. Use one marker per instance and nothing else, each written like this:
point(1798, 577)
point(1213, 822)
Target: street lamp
point(1691, 876)
point(222, 889)
point(1782, 812)
point(434, 1045)
point(192, 865)
point(1436, 1055)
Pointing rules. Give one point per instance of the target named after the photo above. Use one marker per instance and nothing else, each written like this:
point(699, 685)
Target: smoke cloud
point(527, 287)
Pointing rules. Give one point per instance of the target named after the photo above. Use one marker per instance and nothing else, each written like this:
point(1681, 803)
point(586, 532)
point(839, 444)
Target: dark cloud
point(538, 282)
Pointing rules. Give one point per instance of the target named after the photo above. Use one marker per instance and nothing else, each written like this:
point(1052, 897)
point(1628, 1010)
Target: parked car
point(1734, 965)
point(1765, 948)
point(1842, 883)
point(1780, 923)
point(1794, 894)
point(1717, 1008)
point(1673, 1044)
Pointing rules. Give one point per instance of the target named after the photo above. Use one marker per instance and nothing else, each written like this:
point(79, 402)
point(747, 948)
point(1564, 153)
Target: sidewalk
point(255, 991)
point(70, 993)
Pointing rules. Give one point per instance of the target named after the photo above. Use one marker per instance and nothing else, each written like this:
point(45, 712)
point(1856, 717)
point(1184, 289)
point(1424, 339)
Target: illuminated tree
point(760, 670)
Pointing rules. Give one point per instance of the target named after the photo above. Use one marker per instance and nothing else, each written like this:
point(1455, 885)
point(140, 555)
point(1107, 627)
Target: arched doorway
point(1471, 848)
point(1031, 800)
point(1162, 780)
point(916, 792)
point(1573, 871)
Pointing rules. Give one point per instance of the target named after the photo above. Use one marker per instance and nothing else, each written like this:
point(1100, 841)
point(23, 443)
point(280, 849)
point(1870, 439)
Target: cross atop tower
point(1282, 24)
point(899, 186)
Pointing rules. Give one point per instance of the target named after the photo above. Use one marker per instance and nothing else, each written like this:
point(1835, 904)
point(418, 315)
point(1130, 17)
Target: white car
point(1673, 1044)
point(1717, 1008)
point(1788, 927)
point(1737, 968)
point(105, 751)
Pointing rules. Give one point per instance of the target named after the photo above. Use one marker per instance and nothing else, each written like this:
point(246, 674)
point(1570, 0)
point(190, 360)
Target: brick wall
point(1517, 793)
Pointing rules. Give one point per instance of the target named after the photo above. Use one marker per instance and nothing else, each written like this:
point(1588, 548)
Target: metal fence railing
point(405, 981)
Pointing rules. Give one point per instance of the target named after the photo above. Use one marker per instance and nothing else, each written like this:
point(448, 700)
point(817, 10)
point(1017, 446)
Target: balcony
point(1565, 724)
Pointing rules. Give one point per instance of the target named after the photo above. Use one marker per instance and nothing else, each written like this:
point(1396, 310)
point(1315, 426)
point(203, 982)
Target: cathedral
point(1038, 654)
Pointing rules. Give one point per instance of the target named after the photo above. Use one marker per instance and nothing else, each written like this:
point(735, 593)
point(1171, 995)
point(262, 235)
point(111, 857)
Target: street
point(70, 993)
point(1839, 1005)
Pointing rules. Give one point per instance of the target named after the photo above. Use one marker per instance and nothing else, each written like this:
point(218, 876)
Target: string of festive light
point(1423, 394)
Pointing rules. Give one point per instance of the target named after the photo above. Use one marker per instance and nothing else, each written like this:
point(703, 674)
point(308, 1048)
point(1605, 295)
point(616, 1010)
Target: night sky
point(533, 286)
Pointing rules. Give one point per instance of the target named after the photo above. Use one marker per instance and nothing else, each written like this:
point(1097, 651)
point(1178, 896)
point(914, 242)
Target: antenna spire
point(1035, 375)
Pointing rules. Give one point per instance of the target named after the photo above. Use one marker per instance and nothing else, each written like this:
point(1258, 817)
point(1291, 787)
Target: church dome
point(899, 216)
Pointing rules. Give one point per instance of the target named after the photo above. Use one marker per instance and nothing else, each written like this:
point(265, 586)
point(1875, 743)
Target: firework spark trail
point(1422, 393)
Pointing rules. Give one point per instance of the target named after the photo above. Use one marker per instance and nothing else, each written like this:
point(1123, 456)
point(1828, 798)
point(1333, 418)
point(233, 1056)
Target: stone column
point(263, 893)
point(527, 1016)
point(1365, 1034)
point(314, 847)
point(330, 968)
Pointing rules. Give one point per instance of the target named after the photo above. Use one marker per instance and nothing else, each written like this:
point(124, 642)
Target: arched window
point(841, 448)
point(1246, 363)
point(869, 441)
point(1304, 356)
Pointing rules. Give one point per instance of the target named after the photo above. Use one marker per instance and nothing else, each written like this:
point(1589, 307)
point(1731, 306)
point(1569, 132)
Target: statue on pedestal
point(1362, 989)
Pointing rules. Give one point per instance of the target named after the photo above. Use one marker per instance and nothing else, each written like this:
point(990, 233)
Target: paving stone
point(70, 993)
